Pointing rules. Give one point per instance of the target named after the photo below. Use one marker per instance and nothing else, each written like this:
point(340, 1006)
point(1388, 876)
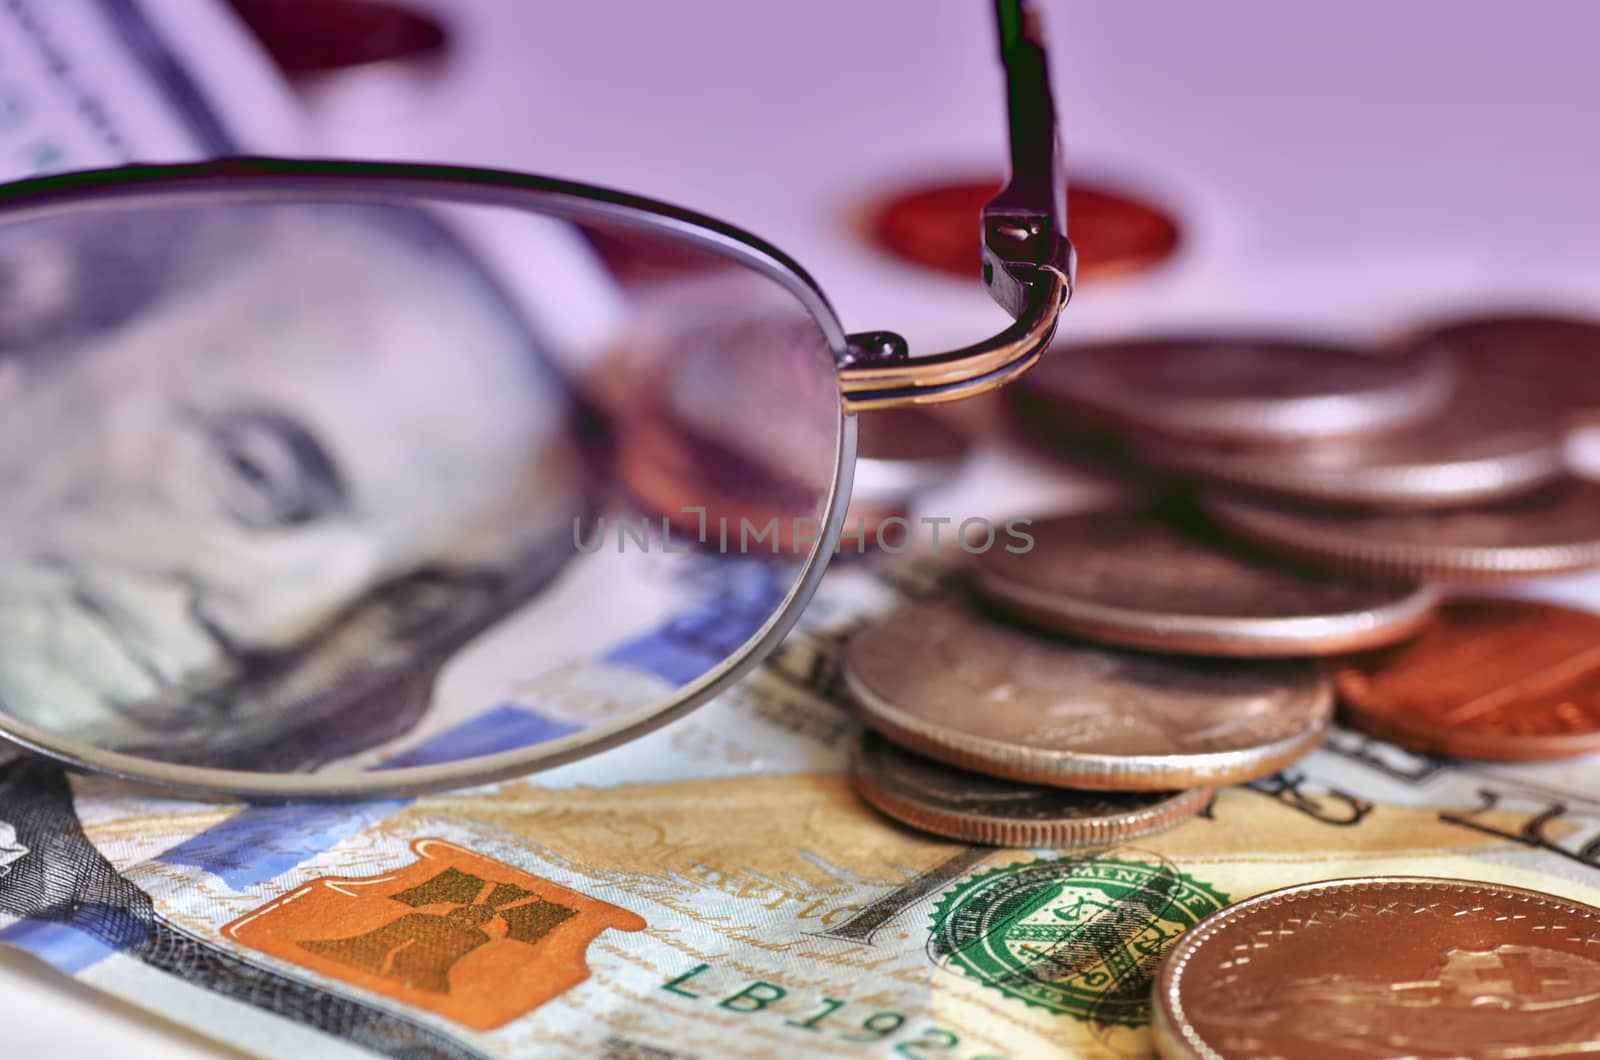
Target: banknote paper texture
point(104, 82)
point(712, 890)
point(276, 462)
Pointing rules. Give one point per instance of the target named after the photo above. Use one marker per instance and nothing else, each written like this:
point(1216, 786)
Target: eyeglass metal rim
point(267, 180)
point(1028, 268)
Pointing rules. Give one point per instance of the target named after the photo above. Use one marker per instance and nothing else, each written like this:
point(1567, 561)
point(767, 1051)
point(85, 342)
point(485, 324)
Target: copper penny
point(1559, 354)
point(724, 504)
point(971, 807)
point(1130, 578)
point(755, 379)
point(936, 226)
point(726, 412)
point(742, 419)
point(1385, 967)
point(1498, 437)
point(1247, 390)
point(949, 683)
point(674, 477)
point(1552, 530)
point(1506, 680)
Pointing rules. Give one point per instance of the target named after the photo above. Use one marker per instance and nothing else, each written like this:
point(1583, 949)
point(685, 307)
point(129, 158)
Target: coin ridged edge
point(1074, 833)
point(1447, 484)
point(1092, 770)
point(1173, 1031)
point(1461, 562)
point(1213, 635)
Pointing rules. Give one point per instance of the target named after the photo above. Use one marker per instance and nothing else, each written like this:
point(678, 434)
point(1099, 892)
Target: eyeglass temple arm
point(1025, 225)
point(1028, 262)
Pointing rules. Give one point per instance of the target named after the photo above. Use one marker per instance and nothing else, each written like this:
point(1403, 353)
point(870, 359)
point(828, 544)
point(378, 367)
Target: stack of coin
point(1089, 689)
point(1015, 709)
point(1252, 391)
point(1444, 460)
point(1165, 648)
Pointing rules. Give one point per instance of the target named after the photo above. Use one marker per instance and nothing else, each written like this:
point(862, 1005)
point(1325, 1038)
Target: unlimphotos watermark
point(797, 534)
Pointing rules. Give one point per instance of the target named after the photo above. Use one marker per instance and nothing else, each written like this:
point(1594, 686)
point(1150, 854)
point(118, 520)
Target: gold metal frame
point(1028, 262)
point(967, 372)
point(1028, 267)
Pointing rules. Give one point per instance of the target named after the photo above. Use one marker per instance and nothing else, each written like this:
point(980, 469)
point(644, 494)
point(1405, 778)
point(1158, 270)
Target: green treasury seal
point(1078, 936)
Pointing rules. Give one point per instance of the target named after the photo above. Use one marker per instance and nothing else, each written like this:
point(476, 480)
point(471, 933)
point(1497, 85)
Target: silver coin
point(948, 683)
point(1553, 530)
point(1498, 437)
point(1560, 355)
point(974, 808)
point(1128, 578)
point(1242, 390)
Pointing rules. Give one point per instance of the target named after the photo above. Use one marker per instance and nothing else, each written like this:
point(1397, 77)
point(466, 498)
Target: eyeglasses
point(334, 479)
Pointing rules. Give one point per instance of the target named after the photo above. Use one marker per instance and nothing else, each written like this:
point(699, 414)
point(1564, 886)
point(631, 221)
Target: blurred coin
point(1497, 437)
point(939, 679)
point(936, 226)
point(1129, 578)
point(734, 424)
point(1506, 680)
point(728, 505)
point(975, 808)
point(701, 490)
point(1244, 390)
point(1559, 354)
point(1384, 966)
point(902, 454)
point(1074, 435)
point(1555, 529)
point(749, 377)
point(721, 396)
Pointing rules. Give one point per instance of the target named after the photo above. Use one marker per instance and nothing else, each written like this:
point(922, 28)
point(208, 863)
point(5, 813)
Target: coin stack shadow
point(1303, 498)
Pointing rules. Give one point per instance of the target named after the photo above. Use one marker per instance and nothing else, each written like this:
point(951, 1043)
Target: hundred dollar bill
point(285, 526)
point(89, 83)
point(268, 468)
point(712, 890)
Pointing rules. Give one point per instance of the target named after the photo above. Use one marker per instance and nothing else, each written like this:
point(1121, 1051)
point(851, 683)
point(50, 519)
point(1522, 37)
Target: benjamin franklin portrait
point(263, 468)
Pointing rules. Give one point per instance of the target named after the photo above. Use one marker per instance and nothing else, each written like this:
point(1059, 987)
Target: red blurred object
point(313, 36)
point(936, 226)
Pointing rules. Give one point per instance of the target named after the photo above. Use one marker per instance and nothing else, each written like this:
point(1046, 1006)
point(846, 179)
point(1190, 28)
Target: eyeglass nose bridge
point(879, 373)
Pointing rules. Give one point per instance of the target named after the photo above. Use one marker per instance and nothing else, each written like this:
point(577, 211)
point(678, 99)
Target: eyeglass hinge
point(1015, 247)
point(874, 347)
